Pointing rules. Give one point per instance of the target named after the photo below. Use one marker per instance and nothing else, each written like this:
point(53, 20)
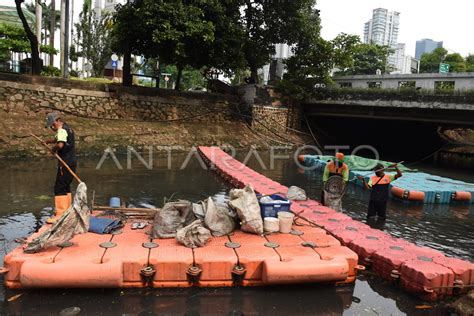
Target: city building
point(426, 45)
point(382, 30)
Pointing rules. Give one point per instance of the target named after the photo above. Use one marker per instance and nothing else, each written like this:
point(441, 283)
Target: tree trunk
point(254, 74)
point(35, 58)
point(52, 30)
point(126, 72)
point(64, 38)
point(178, 78)
point(39, 15)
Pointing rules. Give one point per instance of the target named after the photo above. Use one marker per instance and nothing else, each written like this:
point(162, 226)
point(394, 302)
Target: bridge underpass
point(397, 132)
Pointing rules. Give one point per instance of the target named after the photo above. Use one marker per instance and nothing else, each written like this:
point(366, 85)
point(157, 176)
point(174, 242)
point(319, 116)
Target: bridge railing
point(402, 94)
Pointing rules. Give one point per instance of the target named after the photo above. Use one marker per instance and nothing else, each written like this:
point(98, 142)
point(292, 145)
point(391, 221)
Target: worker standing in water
point(379, 184)
point(335, 167)
point(64, 146)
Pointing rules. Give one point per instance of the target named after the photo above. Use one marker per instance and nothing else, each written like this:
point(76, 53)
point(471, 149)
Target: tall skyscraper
point(426, 45)
point(382, 30)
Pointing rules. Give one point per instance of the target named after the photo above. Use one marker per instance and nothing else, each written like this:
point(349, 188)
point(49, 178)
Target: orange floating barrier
point(408, 195)
point(462, 196)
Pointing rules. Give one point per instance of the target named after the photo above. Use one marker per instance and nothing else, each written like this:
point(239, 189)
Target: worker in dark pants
point(335, 167)
point(64, 146)
point(379, 184)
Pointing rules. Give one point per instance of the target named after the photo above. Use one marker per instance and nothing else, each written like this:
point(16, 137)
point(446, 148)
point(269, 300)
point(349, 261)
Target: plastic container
point(271, 209)
point(271, 224)
point(114, 202)
point(286, 221)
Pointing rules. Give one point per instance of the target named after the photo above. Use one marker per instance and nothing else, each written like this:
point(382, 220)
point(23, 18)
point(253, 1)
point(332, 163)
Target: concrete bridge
point(432, 81)
point(433, 109)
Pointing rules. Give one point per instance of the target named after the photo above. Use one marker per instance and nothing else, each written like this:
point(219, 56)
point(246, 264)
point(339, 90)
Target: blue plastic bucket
point(114, 202)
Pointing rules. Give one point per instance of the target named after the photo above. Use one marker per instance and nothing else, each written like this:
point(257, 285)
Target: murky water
point(26, 189)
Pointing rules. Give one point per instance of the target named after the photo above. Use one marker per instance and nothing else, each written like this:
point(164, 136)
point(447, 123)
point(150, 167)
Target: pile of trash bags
point(193, 224)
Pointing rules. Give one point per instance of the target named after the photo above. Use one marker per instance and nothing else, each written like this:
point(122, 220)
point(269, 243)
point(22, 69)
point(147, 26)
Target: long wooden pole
point(130, 209)
point(59, 158)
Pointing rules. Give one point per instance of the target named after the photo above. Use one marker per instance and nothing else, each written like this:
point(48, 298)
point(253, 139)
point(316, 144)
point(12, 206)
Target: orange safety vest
point(380, 188)
point(385, 180)
point(333, 170)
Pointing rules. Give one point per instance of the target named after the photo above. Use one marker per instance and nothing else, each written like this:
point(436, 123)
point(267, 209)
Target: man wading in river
point(66, 149)
point(335, 167)
point(380, 184)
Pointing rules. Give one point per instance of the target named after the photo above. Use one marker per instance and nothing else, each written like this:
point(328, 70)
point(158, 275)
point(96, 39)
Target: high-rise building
point(399, 58)
point(382, 30)
point(426, 45)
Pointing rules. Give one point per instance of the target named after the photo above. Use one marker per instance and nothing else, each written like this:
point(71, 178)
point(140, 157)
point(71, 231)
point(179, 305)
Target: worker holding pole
point(379, 183)
point(64, 149)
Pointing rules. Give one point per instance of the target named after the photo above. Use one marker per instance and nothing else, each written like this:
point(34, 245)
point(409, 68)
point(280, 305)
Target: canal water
point(26, 194)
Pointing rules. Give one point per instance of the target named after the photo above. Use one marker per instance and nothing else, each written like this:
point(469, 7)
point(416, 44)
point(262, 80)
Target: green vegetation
point(442, 94)
point(367, 59)
point(429, 62)
point(13, 39)
point(94, 39)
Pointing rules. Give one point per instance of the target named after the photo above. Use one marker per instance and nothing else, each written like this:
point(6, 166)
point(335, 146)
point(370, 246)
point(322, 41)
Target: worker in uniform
point(64, 146)
point(380, 184)
point(335, 167)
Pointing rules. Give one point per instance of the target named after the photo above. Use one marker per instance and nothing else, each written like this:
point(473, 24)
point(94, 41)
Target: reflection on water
point(22, 200)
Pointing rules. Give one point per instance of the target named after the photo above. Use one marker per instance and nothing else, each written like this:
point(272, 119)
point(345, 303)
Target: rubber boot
point(61, 204)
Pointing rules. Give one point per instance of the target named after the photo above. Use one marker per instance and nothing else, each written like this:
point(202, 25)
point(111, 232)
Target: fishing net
point(75, 220)
point(334, 190)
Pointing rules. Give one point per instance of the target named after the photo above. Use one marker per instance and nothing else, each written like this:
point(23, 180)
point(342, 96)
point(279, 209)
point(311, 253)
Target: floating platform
point(425, 272)
point(413, 186)
point(324, 247)
point(132, 259)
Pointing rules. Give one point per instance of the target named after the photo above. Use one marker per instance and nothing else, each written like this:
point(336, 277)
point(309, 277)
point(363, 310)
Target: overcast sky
point(449, 21)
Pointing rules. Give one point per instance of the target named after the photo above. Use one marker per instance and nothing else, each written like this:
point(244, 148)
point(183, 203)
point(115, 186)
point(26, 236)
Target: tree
point(35, 58)
point(429, 62)
point(367, 59)
point(12, 39)
point(344, 48)
point(470, 63)
point(50, 23)
point(456, 62)
point(170, 30)
point(269, 22)
point(310, 62)
point(94, 39)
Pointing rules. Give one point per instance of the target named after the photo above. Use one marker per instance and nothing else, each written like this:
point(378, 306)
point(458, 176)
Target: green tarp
point(364, 164)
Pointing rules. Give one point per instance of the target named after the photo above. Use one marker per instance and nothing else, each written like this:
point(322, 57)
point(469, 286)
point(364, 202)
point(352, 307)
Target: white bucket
point(286, 221)
point(271, 224)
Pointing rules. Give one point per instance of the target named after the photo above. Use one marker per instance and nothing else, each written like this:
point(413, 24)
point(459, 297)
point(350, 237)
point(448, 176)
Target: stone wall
point(34, 95)
point(274, 118)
